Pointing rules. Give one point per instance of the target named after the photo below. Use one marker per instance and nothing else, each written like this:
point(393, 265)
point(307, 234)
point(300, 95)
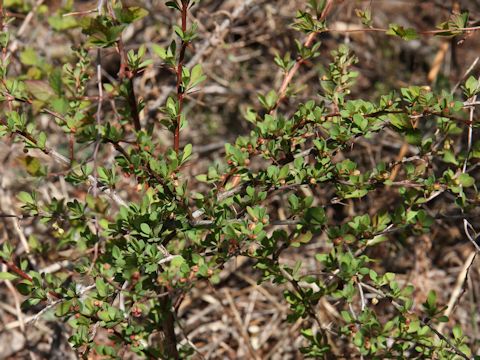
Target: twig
point(291, 73)
point(121, 296)
point(50, 269)
point(362, 297)
point(473, 238)
point(465, 74)
point(16, 299)
point(179, 72)
point(124, 73)
point(470, 132)
point(460, 286)
point(187, 339)
point(216, 37)
point(400, 308)
point(34, 318)
point(82, 13)
point(167, 259)
point(311, 311)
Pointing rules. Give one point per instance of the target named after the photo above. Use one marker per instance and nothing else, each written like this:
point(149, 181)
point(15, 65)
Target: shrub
point(147, 231)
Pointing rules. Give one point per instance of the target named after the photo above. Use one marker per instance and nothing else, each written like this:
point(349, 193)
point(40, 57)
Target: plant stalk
point(180, 90)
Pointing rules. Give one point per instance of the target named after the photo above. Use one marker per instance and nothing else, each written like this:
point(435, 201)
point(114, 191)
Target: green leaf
point(356, 194)
point(400, 31)
point(443, 319)
point(413, 137)
point(202, 178)
point(145, 228)
point(33, 166)
point(101, 287)
point(25, 197)
point(432, 298)
point(172, 5)
point(360, 121)
point(457, 332)
point(196, 76)
point(29, 57)
point(131, 14)
point(472, 87)
point(187, 152)
point(302, 239)
point(466, 180)
point(58, 22)
point(7, 276)
point(63, 308)
point(177, 261)
point(365, 16)
point(24, 287)
point(41, 140)
point(315, 216)
point(449, 157)
point(39, 89)
point(358, 339)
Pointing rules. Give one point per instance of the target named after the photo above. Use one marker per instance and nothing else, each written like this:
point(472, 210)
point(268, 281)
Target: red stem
point(180, 90)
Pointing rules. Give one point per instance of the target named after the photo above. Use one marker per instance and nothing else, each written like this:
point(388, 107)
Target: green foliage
point(404, 33)
point(161, 242)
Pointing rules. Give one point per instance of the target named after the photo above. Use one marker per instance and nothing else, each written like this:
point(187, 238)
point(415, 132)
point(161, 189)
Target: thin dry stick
point(469, 70)
point(472, 238)
point(401, 154)
point(251, 307)
point(363, 302)
point(53, 268)
point(6, 200)
point(459, 287)
point(37, 316)
point(16, 299)
point(82, 13)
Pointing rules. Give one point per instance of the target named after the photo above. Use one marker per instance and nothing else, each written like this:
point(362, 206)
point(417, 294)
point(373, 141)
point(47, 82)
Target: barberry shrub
point(141, 232)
